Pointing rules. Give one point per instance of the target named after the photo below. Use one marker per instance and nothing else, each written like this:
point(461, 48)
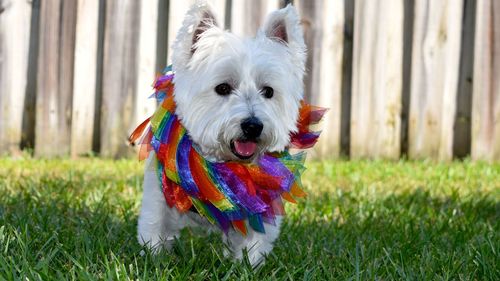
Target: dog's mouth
point(244, 149)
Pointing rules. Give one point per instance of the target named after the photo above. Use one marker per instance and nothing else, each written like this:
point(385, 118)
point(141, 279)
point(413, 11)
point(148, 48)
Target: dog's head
point(239, 97)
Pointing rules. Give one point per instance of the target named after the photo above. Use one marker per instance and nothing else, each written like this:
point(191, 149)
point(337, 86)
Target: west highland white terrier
point(219, 141)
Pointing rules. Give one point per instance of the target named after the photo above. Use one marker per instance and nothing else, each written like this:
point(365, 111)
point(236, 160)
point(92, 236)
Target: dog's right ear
point(198, 19)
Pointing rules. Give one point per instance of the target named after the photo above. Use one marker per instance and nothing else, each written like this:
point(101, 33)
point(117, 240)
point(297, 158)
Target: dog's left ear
point(197, 21)
point(283, 26)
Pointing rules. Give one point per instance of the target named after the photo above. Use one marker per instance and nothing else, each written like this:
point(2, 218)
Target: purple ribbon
point(185, 176)
point(239, 190)
point(275, 168)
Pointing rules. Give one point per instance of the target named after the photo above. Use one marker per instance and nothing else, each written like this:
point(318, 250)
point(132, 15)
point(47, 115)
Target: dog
point(238, 99)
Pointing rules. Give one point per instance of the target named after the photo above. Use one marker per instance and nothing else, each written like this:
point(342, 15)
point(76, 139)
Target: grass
point(363, 220)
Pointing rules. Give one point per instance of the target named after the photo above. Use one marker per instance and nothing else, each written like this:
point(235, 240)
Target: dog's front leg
point(158, 225)
point(256, 244)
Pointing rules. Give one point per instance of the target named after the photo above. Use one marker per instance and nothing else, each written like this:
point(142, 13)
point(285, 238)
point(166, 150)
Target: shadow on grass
point(408, 236)
point(55, 235)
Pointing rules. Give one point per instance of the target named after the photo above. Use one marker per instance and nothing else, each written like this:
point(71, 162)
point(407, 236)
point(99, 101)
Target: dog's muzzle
point(246, 146)
point(252, 128)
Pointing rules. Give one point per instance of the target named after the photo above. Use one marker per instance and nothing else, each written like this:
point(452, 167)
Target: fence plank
point(248, 15)
point(486, 89)
point(436, 55)
point(29, 114)
point(462, 127)
point(55, 78)
point(143, 106)
point(119, 75)
point(14, 47)
point(377, 79)
point(84, 82)
point(409, 6)
point(346, 90)
point(324, 29)
point(162, 35)
point(311, 14)
point(176, 13)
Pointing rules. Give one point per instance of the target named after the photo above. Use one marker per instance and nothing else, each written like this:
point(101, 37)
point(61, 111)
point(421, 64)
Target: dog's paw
point(256, 258)
point(157, 244)
point(255, 254)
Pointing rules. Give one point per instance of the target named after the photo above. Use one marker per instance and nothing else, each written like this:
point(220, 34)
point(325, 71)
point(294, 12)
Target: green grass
point(363, 220)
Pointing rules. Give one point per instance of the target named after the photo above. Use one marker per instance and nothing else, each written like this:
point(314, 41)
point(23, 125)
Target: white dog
point(238, 98)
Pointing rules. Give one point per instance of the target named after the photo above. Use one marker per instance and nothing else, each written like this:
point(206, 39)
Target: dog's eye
point(223, 89)
point(268, 92)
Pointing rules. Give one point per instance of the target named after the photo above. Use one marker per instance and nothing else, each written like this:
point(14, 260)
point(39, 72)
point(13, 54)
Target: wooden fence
point(401, 77)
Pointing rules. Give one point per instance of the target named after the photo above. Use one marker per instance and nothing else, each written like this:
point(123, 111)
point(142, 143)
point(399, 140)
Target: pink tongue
point(245, 148)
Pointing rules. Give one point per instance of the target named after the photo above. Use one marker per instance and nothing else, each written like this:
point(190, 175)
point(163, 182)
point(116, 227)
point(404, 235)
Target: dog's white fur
point(203, 60)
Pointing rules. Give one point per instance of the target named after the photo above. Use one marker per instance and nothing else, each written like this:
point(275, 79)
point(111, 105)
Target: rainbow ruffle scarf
point(228, 194)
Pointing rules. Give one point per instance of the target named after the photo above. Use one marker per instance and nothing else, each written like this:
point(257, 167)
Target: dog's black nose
point(252, 127)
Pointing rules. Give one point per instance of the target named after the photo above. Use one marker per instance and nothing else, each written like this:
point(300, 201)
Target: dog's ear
point(198, 20)
point(284, 27)
point(206, 21)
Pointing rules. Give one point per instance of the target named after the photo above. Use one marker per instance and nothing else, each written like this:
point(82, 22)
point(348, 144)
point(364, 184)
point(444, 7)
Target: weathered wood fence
point(401, 77)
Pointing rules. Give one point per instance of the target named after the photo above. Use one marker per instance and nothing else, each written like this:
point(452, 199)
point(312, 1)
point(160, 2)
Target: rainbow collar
point(228, 194)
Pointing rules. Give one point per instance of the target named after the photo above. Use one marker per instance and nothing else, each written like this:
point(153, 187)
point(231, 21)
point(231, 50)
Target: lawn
point(362, 220)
